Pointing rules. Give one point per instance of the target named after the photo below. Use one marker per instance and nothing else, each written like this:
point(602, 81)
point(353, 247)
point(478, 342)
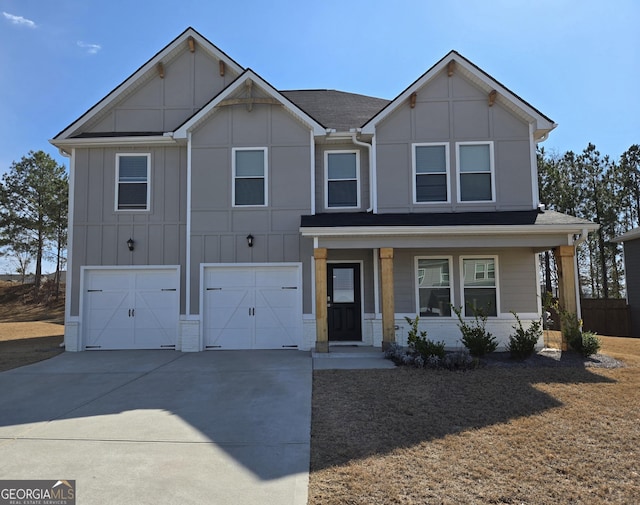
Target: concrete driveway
point(138, 427)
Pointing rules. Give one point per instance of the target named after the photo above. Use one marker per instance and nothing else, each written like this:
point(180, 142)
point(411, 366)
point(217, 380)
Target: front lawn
point(519, 435)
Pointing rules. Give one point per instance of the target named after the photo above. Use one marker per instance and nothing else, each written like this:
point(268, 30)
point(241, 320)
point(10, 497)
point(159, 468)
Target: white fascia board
point(208, 109)
point(630, 235)
point(113, 141)
point(360, 231)
point(122, 88)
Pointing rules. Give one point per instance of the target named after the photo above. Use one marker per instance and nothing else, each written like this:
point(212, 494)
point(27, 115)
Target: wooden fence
point(606, 317)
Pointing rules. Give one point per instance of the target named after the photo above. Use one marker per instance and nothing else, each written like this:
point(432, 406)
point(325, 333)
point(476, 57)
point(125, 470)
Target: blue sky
point(577, 61)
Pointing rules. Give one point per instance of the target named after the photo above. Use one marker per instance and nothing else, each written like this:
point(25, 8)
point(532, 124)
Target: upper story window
point(132, 181)
point(480, 286)
point(434, 287)
point(342, 181)
point(430, 169)
point(249, 176)
point(475, 172)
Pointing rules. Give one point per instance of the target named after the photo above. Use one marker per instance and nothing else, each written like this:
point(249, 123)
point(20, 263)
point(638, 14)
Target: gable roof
point(337, 110)
point(248, 76)
point(175, 45)
point(542, 124)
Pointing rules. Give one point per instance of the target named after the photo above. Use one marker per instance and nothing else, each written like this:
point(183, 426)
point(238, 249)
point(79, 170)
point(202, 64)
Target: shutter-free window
point(430, 164)
point(133, 182)
point(342, 179)
point(434, 288)
point(250, 177)
point(480, 288)
point(475, 169)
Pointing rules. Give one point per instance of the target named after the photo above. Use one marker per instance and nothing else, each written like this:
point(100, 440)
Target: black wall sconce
point(250, 240)
point(130, 244)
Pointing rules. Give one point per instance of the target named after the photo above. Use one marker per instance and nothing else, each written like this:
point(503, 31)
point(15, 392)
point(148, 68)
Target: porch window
point(434, 287)
point(342, 187)
point(250, 176)
point(132, 181)
point(480, 287)
point(475, 171)
point(430, 169)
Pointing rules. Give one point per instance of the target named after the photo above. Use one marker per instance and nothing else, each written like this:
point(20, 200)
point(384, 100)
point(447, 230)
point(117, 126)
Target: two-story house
point(209, 210)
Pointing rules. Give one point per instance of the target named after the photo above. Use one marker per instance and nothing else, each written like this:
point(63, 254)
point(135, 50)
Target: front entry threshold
point(351, 356)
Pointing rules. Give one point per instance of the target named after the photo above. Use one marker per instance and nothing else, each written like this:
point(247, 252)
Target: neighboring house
point(631, 244)
point(210, 210)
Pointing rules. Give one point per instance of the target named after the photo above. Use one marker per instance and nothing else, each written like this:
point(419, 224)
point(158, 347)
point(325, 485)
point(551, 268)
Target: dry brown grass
point(29, 332)
point(495, 435)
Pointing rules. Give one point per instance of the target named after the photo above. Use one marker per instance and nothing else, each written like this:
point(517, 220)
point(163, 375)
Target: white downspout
point(187, 281)
point(372, 206)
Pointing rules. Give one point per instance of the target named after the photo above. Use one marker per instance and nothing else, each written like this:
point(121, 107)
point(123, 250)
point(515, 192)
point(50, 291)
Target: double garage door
point(243, 307)
point(251, 307)
point(131, 308)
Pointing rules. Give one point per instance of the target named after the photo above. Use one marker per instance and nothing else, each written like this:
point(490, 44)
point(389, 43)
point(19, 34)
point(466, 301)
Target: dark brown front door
point(343, 297)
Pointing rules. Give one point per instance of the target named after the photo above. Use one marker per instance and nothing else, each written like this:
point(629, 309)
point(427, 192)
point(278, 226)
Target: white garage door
point(252, 307)
point(131, 308)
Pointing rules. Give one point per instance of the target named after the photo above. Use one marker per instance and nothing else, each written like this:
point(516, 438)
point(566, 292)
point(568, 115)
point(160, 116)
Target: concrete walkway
point(148, 427)
point(341, 357)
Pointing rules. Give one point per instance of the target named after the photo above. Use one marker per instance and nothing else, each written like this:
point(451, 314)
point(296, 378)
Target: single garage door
point(131, 308)
point(252, 307)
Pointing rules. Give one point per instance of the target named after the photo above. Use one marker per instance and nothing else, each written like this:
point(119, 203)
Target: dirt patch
point(29, 331)
point(499, 434)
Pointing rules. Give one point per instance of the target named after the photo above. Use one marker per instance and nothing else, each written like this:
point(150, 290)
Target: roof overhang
point(630, 235)
point(138, 140)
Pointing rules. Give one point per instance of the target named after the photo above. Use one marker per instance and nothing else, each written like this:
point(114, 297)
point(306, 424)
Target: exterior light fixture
point(130, 243)
point(250, 240)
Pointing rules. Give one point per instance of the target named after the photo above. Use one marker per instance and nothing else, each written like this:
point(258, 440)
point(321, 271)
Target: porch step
point(350, 358)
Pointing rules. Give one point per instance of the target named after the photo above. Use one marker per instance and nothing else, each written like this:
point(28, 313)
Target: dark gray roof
point(336, 109)
point(501, 218)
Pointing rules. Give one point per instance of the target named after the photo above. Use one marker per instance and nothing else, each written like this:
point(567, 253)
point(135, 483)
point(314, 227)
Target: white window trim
point(491, 170)
point(447, 171)
point(417, 286)
point(115, 199)
point(496, 279)
point(233, 176)
point(326, 177)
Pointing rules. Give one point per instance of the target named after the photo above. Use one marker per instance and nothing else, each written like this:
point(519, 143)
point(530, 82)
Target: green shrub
point(590, 344)
point(522, 344)
point(420, 344)
point(475, 336)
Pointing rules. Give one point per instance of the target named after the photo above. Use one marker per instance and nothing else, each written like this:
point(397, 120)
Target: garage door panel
point(266, 316)
point(130, 308)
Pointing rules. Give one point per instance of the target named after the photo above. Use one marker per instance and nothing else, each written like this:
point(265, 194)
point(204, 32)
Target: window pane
point(483, 299)
point(433, 272)
point(435, 302)
point(431, 188)
point(475, 158)
point(430, 159)
point(250, 191)
point(475, 187)
point(343, 285)
point(479, 272)
point(342, 193)
point(132, 169)
point(250, 163)
point(132, 196)
point(342, 166)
